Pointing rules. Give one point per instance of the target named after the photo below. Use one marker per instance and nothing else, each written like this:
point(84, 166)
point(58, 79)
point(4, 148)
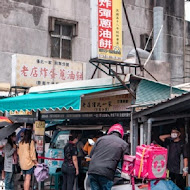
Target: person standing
point(88, 147)
point(176, 148)
point(105, 156)
point(70, 165)
point(20, 136)
point(11, 159)
point(2, 145)
point(81, 159)
point(27, 157)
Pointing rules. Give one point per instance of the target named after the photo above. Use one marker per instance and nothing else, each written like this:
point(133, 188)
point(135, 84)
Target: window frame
point(62, 22)
point(61, 37)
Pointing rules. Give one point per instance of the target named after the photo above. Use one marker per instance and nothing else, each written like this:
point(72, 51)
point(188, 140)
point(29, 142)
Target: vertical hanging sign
point(110, 29)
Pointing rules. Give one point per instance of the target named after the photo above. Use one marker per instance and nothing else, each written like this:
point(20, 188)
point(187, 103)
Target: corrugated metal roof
point(178, 104)
point(150, 92)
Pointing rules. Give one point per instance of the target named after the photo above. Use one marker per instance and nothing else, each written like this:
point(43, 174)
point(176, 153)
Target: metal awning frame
point(107, 65)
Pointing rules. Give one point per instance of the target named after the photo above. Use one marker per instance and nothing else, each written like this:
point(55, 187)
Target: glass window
point(57, 29)
point(61, 141)
point(55, 47)
point(67, 30)
point(66, 49)
point(61, 40)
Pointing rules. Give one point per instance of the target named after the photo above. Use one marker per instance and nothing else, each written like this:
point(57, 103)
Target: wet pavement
point(19, 184)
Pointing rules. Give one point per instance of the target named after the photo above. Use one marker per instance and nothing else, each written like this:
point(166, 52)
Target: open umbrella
point(8, 130)
point(5, 121)
point(18, 136)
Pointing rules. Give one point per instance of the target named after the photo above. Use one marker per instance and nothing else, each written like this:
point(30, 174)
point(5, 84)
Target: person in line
point(20, 136)
point(105, 156)
point(81, 161)
point(11, 159)
point(88, 147)
point(70, 165)
point(2, 145)
point(176, 148)
point(27, 157)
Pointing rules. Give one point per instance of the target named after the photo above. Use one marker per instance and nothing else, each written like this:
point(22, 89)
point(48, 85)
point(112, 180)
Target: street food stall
point(89, 102)
point(96, 102)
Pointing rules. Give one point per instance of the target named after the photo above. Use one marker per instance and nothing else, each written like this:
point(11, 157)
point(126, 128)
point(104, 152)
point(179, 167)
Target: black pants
point(179, 180)
point(69, 175)
point(82, 176)
point(1, 163)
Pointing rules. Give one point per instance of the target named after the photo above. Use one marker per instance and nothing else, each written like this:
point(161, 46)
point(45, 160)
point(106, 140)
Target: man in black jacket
point(105, 156)
point(176, 148)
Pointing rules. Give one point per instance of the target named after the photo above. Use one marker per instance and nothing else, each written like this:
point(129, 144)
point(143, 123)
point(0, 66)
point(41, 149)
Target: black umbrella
point(8, 130)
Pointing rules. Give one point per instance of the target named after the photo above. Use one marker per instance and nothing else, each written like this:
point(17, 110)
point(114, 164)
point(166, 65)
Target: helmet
point(116, 128)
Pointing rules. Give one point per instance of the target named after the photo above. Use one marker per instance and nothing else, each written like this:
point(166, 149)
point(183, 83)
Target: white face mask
point(173, 135)
point(91, 142)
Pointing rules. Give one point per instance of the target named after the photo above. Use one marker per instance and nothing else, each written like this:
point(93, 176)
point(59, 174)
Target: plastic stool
point(57, 182)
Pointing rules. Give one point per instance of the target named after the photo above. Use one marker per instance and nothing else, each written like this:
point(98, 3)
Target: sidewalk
point(19, 184)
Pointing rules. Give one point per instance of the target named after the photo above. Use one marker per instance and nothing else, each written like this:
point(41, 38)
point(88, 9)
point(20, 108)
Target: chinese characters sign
point(20, 112)
point(39, 128)
point(110, 29)
point(105, 24)
point(32, 70)
point(107, 104)
point(39, 144)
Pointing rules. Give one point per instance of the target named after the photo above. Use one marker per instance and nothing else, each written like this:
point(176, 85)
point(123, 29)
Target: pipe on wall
point(158, 24)
point(150, 120)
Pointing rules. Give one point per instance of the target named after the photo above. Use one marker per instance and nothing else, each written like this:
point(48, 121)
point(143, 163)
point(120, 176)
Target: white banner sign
point(34, 70)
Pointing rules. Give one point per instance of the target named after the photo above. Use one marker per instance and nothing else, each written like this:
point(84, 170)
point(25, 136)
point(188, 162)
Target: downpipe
point(150, 120)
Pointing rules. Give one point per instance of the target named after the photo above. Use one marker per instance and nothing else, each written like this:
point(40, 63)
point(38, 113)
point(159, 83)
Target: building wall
point(174, 37)
point(141, 17)
point(24, 30)
point(187, 52)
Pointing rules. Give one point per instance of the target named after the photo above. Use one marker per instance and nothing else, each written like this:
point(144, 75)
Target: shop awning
point(151, 92)
point(48, 101)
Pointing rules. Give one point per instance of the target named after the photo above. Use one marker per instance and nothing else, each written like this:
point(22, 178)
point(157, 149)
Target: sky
point(187, 11)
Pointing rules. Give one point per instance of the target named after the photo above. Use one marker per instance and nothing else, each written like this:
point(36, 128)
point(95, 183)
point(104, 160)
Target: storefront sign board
point(20, 112)
point(110, 29)
point(39, 128)
point(39, 144)
point(34, 70)
point(107, 104)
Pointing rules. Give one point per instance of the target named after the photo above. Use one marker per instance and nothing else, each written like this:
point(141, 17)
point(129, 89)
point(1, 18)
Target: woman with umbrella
point(11, 159)
point(4, 121)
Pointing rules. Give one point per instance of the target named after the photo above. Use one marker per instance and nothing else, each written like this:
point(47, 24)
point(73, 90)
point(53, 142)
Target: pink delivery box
point(151, 162)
